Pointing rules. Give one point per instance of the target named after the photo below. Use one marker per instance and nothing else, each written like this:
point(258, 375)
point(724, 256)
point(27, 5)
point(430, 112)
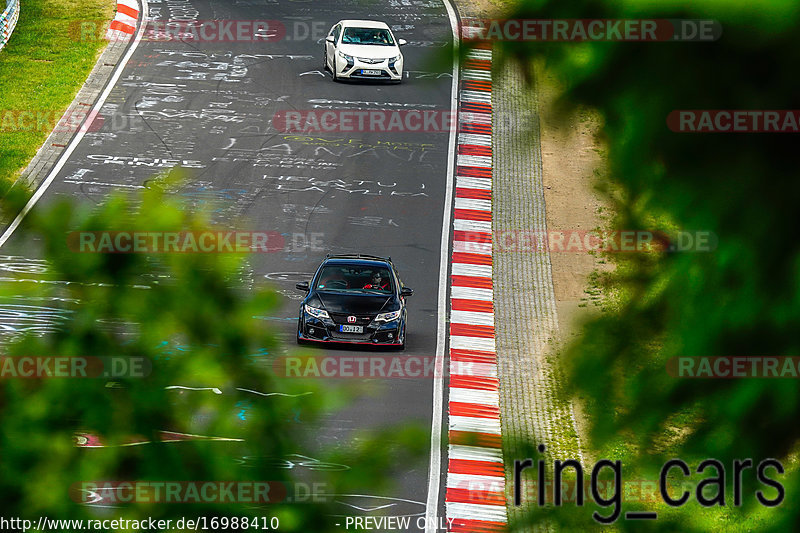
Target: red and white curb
point(123, 26)
point(475, 498)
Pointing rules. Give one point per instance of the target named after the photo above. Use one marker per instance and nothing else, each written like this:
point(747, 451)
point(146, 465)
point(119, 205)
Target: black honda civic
point(356, 299)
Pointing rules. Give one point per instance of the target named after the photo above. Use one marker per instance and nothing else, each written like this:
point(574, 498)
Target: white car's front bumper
point(355, 68)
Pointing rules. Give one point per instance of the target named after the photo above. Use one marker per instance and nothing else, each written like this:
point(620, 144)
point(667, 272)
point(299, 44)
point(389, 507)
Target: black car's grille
point(361, 320)
point(351, 336)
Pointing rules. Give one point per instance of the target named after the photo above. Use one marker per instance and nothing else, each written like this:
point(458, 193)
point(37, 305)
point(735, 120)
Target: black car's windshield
point(355, 279)
point(374, 36)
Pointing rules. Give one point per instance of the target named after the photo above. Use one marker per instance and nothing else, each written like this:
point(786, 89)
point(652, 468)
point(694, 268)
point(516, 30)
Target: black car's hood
point(357, 304)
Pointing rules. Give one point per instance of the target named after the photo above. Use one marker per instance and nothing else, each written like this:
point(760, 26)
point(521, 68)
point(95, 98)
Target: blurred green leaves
point(741, 299)
point(201, 329)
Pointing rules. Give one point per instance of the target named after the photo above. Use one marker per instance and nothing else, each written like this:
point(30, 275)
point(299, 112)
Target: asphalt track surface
point(209, 105)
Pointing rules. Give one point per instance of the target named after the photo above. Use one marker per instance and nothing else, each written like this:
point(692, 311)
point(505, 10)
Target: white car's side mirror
point(401, 42)
point(331, 39)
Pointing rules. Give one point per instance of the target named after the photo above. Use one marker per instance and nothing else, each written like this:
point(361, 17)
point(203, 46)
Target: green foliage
point(742, 299)
point(198, 326)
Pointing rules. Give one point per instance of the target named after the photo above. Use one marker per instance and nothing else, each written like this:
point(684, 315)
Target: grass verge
point(43, 66)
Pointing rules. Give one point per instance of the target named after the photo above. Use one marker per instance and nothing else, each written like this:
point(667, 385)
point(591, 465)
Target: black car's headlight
point(316, 313)
point(388, 317)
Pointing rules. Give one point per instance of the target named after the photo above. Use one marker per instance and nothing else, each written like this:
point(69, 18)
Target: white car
point(363, 49)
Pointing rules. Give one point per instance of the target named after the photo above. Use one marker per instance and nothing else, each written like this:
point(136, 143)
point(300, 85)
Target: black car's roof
point(356, 261)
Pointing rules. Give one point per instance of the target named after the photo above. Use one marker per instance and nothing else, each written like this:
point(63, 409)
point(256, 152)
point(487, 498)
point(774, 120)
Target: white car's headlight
point(346, 57)
point(317, 313)
point(388, 317)
point(395, 58)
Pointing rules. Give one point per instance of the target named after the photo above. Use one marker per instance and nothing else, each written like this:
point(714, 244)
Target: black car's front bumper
point(375, 333)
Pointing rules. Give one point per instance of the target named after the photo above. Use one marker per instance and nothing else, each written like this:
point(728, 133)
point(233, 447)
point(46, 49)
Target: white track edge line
point(434, 472)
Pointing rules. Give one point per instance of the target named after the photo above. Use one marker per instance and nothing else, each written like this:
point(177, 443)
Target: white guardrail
point(8, 20)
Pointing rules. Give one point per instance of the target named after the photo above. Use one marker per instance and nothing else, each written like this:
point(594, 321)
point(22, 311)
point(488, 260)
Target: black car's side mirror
point(405, 291)
point(303, 286)
point(330, 39)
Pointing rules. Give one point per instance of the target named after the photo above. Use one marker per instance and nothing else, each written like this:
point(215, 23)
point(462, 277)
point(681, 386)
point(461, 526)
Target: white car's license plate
point(351, 329)
point(371, 72)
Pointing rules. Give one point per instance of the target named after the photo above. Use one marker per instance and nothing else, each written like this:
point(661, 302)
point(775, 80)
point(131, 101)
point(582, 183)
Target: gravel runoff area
point(526, 322)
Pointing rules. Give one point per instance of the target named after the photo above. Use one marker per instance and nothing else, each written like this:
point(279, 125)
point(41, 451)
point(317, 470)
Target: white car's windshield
point(372, 36)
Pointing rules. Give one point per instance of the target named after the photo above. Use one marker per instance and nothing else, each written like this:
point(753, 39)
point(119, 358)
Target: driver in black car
point(377, 282)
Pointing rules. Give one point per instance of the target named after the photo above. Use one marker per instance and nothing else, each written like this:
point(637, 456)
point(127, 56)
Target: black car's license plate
point(351, 329)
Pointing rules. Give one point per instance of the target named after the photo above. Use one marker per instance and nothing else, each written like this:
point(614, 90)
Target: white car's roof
point(364, 24)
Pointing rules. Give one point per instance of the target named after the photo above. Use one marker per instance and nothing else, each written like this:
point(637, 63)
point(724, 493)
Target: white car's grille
point(369, 61)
